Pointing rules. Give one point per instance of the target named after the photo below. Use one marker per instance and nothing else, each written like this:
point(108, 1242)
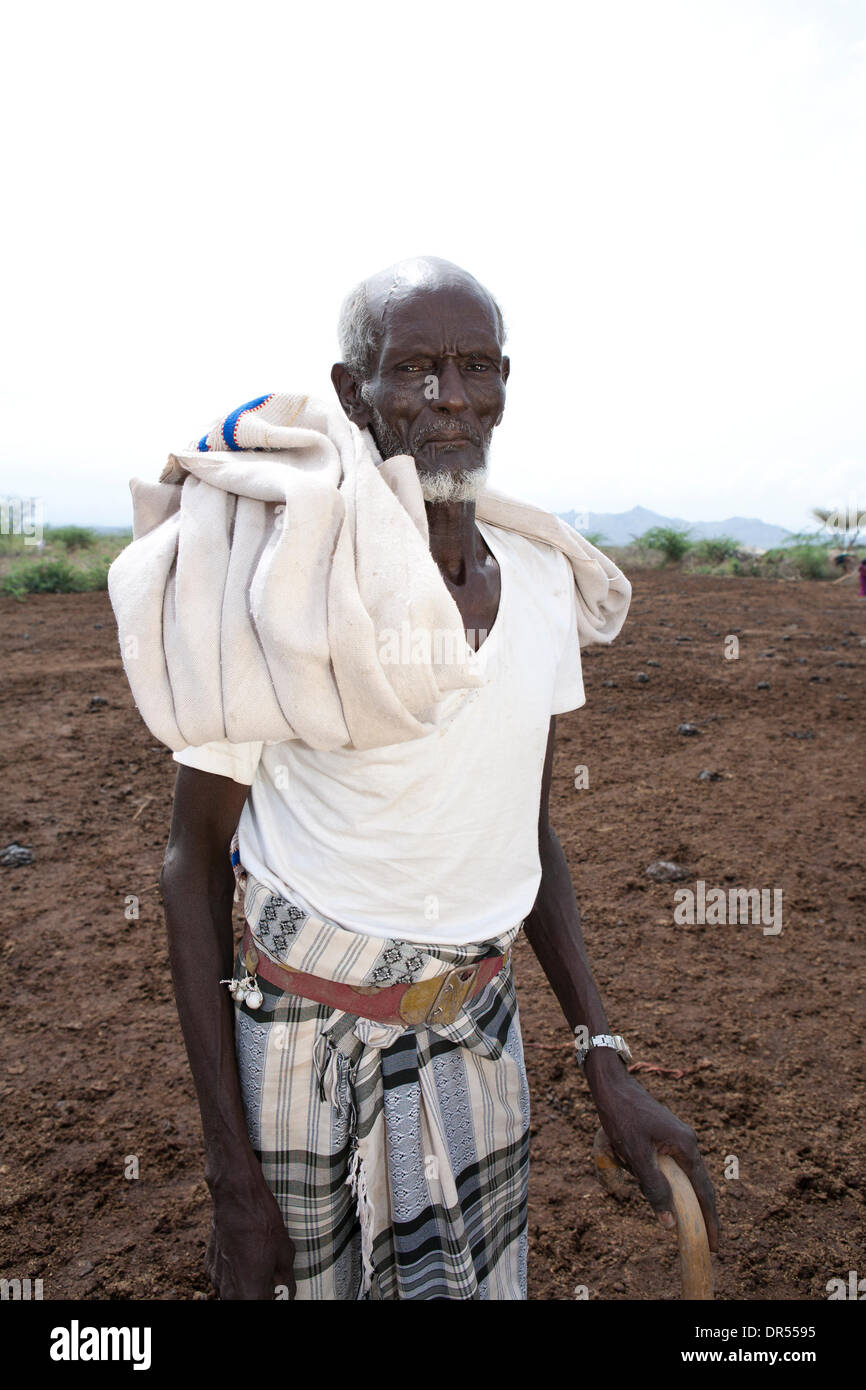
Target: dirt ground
point(93, 1068)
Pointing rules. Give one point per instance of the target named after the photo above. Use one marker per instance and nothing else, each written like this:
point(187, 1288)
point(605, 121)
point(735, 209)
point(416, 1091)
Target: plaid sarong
point(399, 1156)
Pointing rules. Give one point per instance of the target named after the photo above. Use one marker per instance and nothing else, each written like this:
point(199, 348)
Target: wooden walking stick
point(696, 1270)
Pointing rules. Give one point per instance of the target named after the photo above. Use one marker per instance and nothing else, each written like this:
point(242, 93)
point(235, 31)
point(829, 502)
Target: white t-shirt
point(435, 839)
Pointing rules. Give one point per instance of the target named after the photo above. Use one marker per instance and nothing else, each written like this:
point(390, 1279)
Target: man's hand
point(250, 1254)
point(639, 1128)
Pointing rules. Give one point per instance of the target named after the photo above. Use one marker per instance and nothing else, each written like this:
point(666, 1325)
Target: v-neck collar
point(493, 632)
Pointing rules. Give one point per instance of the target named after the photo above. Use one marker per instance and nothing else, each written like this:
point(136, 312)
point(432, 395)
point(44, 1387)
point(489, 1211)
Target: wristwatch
point(614, 1040)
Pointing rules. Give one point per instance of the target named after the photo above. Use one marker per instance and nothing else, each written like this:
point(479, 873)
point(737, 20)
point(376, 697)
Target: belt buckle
point(456, 988)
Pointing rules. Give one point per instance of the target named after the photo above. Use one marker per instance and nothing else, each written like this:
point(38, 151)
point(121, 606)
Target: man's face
point(437, 391)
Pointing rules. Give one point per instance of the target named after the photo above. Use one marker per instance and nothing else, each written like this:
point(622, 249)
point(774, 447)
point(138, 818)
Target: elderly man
point(366, 1125)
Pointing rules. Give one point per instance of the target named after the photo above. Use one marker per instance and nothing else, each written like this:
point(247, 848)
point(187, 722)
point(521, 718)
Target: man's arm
point(636, 1124)
point(250, 1251)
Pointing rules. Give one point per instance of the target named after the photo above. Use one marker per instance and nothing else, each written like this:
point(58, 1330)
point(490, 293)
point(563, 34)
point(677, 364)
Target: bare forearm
point(198, 911)
point(554, 932)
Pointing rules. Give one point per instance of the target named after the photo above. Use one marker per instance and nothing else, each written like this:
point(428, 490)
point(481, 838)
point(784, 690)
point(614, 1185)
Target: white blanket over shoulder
point(269, 567)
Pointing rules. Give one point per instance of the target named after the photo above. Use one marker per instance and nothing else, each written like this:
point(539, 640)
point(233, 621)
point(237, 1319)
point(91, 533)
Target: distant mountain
point(619, 528)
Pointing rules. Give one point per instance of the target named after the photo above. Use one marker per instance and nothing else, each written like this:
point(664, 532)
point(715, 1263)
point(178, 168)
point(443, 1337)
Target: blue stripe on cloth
point(203, 445)
point(230, 422)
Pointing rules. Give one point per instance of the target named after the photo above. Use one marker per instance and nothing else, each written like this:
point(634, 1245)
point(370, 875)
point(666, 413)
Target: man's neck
point(455, 542)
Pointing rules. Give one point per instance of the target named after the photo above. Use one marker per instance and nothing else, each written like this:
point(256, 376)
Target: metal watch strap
point(614, 1040)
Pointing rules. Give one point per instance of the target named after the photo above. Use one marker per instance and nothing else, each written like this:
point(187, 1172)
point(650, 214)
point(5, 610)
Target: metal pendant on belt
point(245, 991)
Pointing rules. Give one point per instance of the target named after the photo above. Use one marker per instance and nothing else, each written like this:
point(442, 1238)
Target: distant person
point(862, 573)
point(364, 1102)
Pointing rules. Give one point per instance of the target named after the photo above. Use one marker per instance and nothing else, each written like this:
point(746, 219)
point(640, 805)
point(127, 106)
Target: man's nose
point(452, 389)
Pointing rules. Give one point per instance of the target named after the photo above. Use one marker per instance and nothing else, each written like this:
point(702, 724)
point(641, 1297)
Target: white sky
point(667, 198)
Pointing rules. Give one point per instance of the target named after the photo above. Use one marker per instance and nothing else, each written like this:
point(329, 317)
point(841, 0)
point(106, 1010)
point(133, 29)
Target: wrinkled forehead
point(436, 312)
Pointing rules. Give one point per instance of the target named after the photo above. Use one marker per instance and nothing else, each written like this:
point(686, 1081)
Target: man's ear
point(348, 389)
point(505, 371)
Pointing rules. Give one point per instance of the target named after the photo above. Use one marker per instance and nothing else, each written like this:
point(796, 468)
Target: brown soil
point(93, 1067)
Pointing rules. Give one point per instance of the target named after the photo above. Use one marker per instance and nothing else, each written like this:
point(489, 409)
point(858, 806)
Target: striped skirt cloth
point(399, 1156)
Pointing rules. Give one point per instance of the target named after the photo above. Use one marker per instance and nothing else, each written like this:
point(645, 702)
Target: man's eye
point(410, 367)
point(479, 366)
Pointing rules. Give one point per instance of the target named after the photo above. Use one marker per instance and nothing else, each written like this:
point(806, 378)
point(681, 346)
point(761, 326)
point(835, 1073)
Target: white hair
point(464, 485)
point(360, 333)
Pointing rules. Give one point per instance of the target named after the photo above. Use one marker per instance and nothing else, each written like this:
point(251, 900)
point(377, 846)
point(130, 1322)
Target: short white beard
point(462, 485)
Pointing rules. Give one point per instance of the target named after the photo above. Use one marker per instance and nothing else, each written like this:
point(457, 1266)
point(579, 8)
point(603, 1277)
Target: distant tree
point(714, 550)
point(844, 523)
point(801, 538)
point(672, 543)
point(71, 537)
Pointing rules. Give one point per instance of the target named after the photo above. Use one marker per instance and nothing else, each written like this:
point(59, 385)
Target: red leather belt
point(406, 1005)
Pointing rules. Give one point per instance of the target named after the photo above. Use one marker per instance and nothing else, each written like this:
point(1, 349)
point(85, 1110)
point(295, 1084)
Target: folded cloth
point(271, 566)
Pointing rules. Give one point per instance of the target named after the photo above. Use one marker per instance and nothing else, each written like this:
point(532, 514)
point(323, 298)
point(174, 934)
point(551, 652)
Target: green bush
point(805, 560)
point(70, 537)
point(11, 543)
point(811, 562)
point(42, 577)
point(55, 577)
point(714, 550)
point(672, 543)
point(96, 572)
